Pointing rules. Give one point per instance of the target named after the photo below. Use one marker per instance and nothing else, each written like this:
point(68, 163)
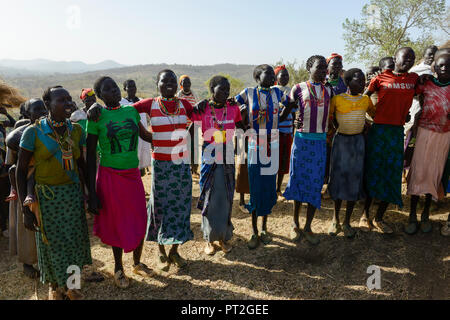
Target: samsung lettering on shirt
point(402, 86)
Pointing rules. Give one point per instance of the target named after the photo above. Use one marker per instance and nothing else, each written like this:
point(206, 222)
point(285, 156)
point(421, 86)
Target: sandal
point(349, 232)
point(12, 196)
point(163, 263)
point(382, 227)
point(445, 230)
point(225, 246)
point(334, 229)
point(54, 295)
point(95, 277)
point(121, 280)
point(74, 294)
point(253, 243)
point(143, 270)
point(365, 225)
point(426, 226)
point(210, 249)
point(176, 259)
point(265, 237)
point(412, 228)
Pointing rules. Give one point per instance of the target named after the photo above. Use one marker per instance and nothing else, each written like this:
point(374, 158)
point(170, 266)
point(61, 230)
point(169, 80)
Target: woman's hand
point(94, 204)
point(232, 101)
point(200, 107)
point(29, 219)
point(424, 78)
point(94, 112)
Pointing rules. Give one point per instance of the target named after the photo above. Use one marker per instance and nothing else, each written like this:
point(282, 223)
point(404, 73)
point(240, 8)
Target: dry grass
point(412, 267)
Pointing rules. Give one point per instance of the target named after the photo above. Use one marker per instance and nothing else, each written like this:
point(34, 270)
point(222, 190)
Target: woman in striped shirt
point(348, 149)
point(309, 153)
point(169, 206)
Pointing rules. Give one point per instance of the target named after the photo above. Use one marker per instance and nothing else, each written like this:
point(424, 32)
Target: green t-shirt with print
point(118, 133)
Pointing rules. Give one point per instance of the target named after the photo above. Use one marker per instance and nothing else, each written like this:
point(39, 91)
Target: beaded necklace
point(65, 144)
point(440, 84)
point(56, 124)
point(164, 109)
point(221, 123)
point(113, 108)
point(263, 115)
point(313, 92)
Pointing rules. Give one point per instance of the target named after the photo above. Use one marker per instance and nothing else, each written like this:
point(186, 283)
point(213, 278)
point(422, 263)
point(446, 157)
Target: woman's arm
point(287, 110)
point(94, 203)
point(23, 163)
point(368, 93)
point(144, 134)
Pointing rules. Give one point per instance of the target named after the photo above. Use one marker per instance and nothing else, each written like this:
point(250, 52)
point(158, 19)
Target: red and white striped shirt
point(169, 131)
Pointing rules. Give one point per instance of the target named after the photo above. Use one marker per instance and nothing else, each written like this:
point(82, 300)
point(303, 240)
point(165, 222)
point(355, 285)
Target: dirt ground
point(414, 267)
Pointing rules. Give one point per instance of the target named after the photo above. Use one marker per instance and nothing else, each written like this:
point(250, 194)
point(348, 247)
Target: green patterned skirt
point(169, 207)
point(64, 239)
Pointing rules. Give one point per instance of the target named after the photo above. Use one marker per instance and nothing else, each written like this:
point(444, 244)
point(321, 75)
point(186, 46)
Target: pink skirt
point(428, 162)
point(122, 221)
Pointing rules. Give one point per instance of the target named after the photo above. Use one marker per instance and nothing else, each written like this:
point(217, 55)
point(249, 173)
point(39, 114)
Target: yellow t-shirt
point(350, 112)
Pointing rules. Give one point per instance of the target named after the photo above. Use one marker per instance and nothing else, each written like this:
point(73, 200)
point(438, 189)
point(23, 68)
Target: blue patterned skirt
point(308, 161)
point(263, 184)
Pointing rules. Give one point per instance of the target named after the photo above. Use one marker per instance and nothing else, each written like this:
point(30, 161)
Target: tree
point(297, 72)
point(386, 26)
point(236, 85)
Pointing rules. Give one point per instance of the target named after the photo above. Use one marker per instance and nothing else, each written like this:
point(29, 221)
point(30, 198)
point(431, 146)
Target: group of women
point(355, 165)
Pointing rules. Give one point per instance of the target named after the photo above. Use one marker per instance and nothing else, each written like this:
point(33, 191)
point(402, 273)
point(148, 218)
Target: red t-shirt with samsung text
point(395, 96)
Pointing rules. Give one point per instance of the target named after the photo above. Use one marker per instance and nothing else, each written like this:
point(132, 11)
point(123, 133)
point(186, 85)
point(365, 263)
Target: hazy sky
point(185, 32)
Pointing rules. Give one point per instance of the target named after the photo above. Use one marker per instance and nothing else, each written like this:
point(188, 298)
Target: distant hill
point(13, 67)
point(144, 75)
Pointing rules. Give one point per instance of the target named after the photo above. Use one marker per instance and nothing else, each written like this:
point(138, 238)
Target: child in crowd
point(286, 128)
point(80, 115)
point(309, 153)
point(144, 148)
point(186, 93)
point(263, 106)
point(348, 150)
point(218, 122)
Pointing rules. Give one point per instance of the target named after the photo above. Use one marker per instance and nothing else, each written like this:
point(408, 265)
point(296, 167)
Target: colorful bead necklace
point(112, 108)
point(164, 109)
point(440, 84)
point(313, 92)
point(221, 123)
point(168, 99)
point(56, 124)
point(65, 144)
point(263, 115)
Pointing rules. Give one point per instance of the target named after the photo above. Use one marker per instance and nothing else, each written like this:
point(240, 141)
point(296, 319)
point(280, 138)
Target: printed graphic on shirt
point(122, 135)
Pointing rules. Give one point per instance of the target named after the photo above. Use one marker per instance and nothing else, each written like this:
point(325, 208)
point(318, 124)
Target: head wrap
point(181, 80)
point(334, 55)
point(277, 71)
point(88, 92)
